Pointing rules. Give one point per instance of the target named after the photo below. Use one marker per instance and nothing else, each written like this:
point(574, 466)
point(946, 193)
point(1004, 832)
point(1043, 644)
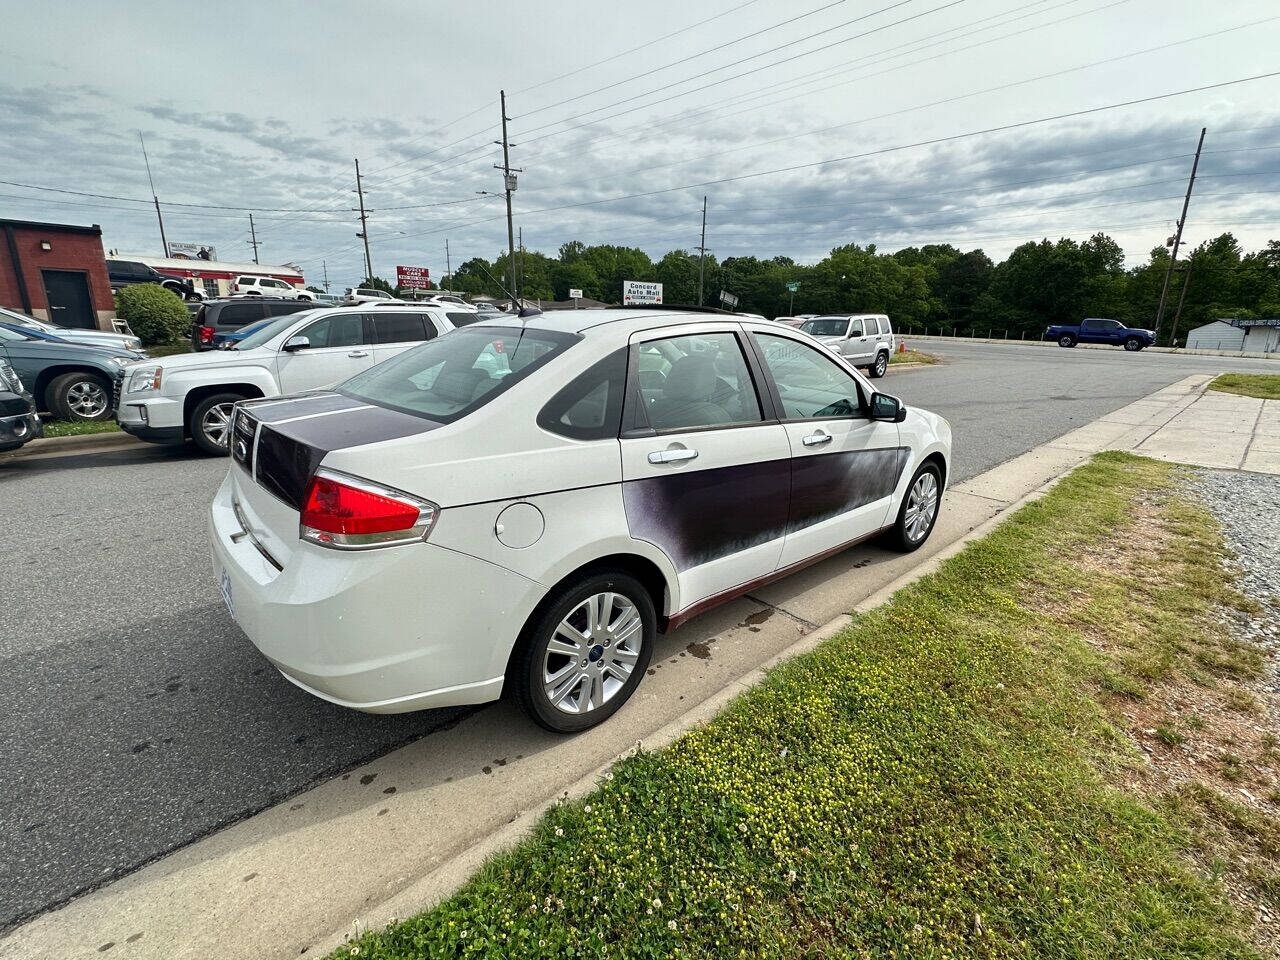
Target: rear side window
point(590, 406)
point(289, 306)
point(448, 377)
point(460, 318)
point(400, 327)
point(238, 314)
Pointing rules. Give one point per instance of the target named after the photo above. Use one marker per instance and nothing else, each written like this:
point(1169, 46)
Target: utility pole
point(164, 244)
point(702, 250)
point(253, 239)
point(325, 265)
point(364, 223)
point(520, 244)
point(1177, 237)
point(1182, 298)
point(509, 184)
point(448, 269)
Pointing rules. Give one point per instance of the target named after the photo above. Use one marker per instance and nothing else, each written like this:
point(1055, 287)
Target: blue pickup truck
point(1097, 330)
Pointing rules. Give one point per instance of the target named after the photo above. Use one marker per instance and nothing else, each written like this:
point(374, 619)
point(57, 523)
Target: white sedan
point(524, 503)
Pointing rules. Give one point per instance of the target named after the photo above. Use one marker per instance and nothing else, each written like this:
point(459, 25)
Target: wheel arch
point(937, 458)
point(46, 377)
point(642, 568)
point(247, 391)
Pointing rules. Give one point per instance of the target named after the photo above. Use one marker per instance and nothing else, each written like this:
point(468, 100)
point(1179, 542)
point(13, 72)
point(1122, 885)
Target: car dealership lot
point(140, 718)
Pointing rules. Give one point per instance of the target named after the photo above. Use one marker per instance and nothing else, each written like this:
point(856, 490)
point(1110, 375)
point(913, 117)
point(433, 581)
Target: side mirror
point(885, 407)
point(296, 343)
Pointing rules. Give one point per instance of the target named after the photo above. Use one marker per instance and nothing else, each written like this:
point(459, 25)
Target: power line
point(933, 141)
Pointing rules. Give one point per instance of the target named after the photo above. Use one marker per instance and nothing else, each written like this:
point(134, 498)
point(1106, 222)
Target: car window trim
point(864, 399)
point(635, 418)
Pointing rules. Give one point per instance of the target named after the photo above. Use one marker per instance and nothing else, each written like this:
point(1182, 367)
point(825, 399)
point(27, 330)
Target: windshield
point(826, 326)
point(269, 330)
point(22, 320)
point(448, 377)
point(8, 334)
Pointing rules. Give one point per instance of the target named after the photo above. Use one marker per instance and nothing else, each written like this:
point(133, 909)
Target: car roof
point(614, 319)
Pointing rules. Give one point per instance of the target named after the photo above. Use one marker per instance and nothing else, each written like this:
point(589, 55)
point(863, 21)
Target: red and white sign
point(413, 278)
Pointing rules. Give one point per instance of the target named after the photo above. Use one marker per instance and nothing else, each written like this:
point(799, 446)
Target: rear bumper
point(383, 631)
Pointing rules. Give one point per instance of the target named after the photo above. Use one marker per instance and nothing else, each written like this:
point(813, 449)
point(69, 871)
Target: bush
point(155, 314)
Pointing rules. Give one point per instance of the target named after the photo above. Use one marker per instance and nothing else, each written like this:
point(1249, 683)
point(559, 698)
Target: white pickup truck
point(191, 396)
point(863, 339)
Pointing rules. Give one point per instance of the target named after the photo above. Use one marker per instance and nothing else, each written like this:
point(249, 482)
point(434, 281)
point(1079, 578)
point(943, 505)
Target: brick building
point(56, 272)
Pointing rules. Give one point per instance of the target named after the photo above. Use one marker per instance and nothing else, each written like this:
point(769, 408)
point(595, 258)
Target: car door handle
point(358, 353)
point(816, 439)
point(675, 455)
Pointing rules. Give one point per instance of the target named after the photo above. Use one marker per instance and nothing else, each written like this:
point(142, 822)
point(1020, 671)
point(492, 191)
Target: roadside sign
point(728, 299)
point(793, 286)
point(179, 250)
point(641, 291)
point(575, 294)
point(413, 278)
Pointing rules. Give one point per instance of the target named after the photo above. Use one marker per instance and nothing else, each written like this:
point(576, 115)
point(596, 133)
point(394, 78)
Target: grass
point(913, 356)
point(77, 428)
point(1265, 386)
point(169, 349)
point(949, 777)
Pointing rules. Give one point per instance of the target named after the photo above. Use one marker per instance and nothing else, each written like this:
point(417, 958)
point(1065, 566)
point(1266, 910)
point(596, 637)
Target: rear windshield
point(448, 377)
point(826, 326)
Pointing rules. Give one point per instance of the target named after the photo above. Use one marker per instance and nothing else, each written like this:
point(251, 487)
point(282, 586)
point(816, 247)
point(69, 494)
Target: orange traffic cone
point(902, 346)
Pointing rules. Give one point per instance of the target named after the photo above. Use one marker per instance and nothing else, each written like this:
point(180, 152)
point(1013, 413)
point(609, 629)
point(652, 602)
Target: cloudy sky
point(806, 124)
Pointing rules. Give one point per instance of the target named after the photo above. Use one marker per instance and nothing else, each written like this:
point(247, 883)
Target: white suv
point(863, 339)
point(523, 503)
point(249, 285)
point(191, 395)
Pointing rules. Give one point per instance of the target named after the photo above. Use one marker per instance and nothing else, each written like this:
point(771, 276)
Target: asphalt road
point(138, 718)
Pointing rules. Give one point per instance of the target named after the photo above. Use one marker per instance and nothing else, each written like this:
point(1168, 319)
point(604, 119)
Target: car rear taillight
point(348, 513)
point(206, 334)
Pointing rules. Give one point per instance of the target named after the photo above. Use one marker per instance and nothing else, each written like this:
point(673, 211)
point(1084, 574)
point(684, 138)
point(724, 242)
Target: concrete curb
point(80, 443)
point(1242, 354)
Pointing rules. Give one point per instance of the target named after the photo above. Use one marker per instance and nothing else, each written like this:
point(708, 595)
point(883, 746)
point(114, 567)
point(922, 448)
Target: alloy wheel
point(882, 364)
point(922, 506)
point(216, 423)
point(592, 653)
point(87, 400)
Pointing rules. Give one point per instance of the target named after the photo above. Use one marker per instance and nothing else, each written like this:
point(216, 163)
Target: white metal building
point(1247, 336)
point(214, 277)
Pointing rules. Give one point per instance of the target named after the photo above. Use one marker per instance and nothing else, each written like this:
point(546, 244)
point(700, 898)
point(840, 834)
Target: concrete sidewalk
point(395, 835)
point(1221, 430)
point(935, 338)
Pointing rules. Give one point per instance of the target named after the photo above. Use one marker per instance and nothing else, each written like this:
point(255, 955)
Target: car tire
point(210, 424)
point(880, 367)
point(910, 531)
point(80, 396)
point(1066, 340)
point(557, 689)
point(1133, 344)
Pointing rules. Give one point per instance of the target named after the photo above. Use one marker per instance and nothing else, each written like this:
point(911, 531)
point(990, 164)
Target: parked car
point(1098, 330)
point(220, 317)
point(504, 508)
point(124, 273)
point(96, 338)
point(72, 381)
point(789, 321)
point(864, 339)
point(228, 340)
point(191, 395)
point(19, 421)
point(366, 294)
point(253, 285)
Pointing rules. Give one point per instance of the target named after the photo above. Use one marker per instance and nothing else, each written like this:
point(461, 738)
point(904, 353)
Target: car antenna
point(523, 311)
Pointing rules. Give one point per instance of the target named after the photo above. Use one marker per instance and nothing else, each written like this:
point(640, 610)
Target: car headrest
point(692, 377)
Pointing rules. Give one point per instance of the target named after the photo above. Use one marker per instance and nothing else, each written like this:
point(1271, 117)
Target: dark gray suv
point(218, 317)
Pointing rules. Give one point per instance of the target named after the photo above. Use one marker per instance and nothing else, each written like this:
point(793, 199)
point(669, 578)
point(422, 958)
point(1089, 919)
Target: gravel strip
point(1247, 505)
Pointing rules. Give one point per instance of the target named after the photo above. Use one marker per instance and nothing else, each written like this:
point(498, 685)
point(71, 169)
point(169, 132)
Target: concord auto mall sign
point(640, 291)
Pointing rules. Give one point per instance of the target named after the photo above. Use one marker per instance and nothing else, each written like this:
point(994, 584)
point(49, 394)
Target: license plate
point(224, 586)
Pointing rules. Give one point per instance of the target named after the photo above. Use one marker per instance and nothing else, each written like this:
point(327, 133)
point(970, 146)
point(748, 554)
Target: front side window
point(810, 384)
point(696, 381)
point(343, 330)
point(448, 377)
point(400, 328)
point(826, 326)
